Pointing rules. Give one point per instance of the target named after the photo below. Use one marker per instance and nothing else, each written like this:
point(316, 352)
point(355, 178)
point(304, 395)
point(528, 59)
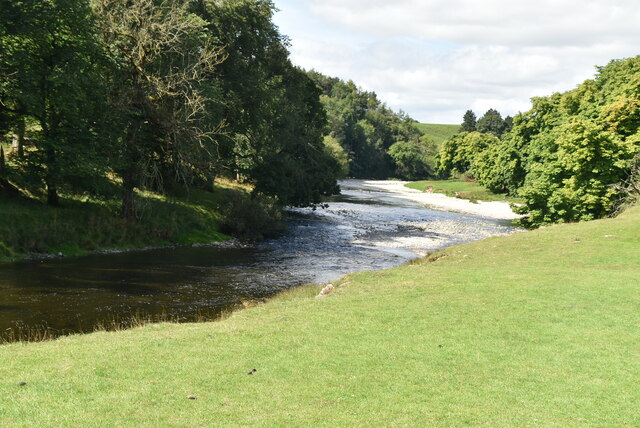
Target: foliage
point(414, 160)
point(276, 121)
point(577, 146)
point(567, 156)
point(572, 180)
point(629, 188)
point(249, 217)
point(493, 123)
point(49, 55)
point(364, 126)
point(337, 152)
point(161, 61)
point(469, 122)
point(156, 95)
point(458, 152)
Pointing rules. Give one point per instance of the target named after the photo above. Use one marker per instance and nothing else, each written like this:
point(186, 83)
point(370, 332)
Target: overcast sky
point(435, 59)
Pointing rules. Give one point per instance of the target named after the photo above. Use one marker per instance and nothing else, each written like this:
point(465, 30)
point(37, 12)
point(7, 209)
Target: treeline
point(370, 139)
point(490, 123)
point(570, 158)
point(107, 97)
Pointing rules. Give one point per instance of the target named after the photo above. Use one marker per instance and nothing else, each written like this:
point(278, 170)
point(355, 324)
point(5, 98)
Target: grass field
point(536, 329)
point(438, 133)
point(460, 189)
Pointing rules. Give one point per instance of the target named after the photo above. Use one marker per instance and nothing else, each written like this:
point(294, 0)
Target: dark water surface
point(363, 229)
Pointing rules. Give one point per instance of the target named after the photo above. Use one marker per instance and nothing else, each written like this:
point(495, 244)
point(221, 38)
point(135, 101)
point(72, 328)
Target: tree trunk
point(50, 179)
point(52, 195)
point(3, 167)
point(128, 202)
point(18, 139)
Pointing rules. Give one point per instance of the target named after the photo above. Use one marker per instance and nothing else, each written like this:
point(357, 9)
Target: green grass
point(30, 227)
point(460, 189)
point(437, 132)
point(536, 329)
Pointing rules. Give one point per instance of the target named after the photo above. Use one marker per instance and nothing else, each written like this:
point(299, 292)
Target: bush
point(250, 217)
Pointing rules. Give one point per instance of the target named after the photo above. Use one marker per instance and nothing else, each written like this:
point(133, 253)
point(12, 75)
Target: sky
point(435, 59)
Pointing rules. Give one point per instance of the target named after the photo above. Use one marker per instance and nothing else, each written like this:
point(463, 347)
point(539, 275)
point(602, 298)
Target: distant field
point(439, 133)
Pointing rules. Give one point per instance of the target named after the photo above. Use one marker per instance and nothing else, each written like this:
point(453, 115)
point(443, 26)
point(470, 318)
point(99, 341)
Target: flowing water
point(363, 229)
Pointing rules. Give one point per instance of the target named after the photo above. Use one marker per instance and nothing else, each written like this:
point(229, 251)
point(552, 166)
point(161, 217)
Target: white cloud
point(436, 58)
point(496, 22)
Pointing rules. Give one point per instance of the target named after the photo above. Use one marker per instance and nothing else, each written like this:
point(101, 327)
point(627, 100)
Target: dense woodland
point(109, 96)
point(573, 156)
point(371, 140)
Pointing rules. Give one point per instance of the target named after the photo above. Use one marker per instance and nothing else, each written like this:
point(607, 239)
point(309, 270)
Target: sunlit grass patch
point(460, 189)
point(438, 132)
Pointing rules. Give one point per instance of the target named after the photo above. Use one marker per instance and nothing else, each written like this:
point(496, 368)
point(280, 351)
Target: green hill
point(438, 132)
point(538, 328)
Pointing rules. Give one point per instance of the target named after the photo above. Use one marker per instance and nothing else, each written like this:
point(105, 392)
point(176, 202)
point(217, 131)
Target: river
point(363, 229)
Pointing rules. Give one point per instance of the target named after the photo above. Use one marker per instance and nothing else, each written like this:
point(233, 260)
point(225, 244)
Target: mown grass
point(438, 132)
point(460, 189)
point(536, 329)
point(30, 227)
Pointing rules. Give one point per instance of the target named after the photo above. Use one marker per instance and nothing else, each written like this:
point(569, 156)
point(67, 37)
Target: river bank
point(533, 329)
point(359, 230)
point(33, 230)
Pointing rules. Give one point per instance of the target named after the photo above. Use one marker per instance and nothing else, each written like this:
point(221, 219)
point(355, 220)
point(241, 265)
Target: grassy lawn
point(536, 329)
point(437, 132)
point(460, 189)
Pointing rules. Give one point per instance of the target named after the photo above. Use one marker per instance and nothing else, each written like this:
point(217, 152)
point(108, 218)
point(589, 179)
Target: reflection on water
point(361, 230)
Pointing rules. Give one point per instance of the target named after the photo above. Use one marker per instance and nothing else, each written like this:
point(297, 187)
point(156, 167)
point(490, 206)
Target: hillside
point(438, 132)
point(535, 329)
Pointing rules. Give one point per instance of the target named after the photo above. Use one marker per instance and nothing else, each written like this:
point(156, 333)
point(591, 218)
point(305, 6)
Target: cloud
point(435, 59)
point(496, 22)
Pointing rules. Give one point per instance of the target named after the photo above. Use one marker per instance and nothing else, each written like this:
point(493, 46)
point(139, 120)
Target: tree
point(274, 117)
point(49, 59)
point(458, 153)
point(414, 160)
point(162, 60)
point(491, 123)
point(507, 125)
point(469, 122)
point(574, 179)
point(364, 126)
point(297, 169)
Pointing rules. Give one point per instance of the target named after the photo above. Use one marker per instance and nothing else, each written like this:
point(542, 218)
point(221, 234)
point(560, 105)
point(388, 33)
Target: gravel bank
point(438, 201)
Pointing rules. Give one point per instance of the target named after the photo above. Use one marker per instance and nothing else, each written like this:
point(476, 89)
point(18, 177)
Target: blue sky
point(435, 59)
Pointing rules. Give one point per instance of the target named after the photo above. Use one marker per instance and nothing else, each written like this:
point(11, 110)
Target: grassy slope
point(437, 132)
point(460, 189)
point(536, 329)
point(29, 226)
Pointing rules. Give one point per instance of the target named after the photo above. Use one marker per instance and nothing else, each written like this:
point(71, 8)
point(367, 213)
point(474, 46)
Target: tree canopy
point(367, 130)
point(155, 93)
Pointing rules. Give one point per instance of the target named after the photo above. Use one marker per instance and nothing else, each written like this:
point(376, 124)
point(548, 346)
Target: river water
point(363, 229)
